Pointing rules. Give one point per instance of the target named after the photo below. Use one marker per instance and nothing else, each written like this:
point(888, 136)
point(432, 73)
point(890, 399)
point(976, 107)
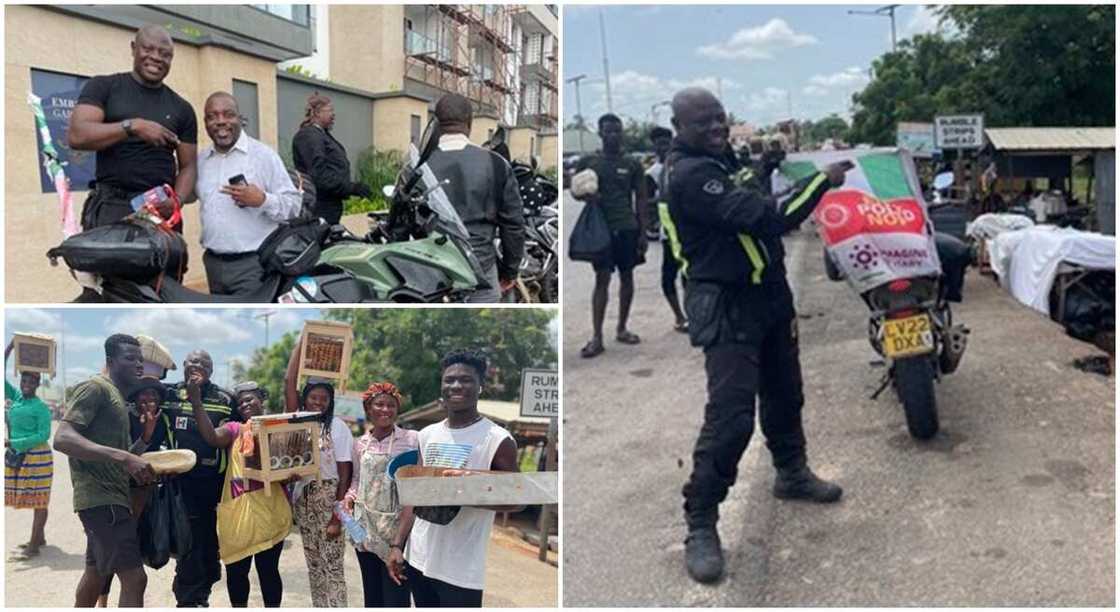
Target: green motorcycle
point(418, 251)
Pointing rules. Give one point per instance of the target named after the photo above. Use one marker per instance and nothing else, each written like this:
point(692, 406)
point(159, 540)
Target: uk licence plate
point(907, 337)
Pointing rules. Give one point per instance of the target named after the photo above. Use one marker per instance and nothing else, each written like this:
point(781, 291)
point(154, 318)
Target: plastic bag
point(591, 238)
point(179, 522)
point(155, 532)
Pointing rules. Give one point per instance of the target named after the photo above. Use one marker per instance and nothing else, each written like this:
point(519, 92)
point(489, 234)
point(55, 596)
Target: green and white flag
point(875, 226)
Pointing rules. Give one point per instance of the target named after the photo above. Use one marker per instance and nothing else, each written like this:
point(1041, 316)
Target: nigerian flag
point(875, 225)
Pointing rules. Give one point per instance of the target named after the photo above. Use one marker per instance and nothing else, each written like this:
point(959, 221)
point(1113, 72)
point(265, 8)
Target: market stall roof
point(1052, 138)
point(500, 412)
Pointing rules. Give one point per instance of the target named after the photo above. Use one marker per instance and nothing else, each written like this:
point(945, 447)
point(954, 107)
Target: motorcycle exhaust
point(956, 341)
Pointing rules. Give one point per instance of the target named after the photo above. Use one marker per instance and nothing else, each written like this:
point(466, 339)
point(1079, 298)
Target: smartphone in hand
point(238, 180)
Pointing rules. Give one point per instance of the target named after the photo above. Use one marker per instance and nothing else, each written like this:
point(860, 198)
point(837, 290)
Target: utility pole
point(579, 111)
point(883, 11)
point(606, 66)
point(266, 315)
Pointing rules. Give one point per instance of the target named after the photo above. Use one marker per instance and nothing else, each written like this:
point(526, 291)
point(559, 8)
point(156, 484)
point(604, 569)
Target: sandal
point(627, 337)
point(591, 349)
point(681, 327)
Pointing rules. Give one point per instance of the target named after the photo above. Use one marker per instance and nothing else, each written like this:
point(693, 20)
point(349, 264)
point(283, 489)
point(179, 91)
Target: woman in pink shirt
point(372, 498)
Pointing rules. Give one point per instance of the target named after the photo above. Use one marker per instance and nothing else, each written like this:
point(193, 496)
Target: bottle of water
point(356, 532)
point(154, 196)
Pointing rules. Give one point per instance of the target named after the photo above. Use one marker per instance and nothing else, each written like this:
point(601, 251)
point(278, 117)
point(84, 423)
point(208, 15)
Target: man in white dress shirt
point(245, 193)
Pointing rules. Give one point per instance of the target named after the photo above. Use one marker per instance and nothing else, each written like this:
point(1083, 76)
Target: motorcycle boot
point(703, 555)
point(797, 481)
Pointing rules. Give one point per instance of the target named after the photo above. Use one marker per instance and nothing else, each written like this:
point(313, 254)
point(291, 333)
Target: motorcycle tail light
point(899, 286)
point(902, 314)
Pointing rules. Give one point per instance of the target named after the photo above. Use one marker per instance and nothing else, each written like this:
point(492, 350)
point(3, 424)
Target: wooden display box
point(326, 351)
point(283, 448)
point(34, 353)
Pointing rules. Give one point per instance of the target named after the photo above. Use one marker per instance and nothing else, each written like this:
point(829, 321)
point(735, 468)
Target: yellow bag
point(249, 521)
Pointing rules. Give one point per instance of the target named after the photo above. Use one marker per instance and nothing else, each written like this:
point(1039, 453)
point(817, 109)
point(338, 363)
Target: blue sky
point(818, 55)
point(227, 334)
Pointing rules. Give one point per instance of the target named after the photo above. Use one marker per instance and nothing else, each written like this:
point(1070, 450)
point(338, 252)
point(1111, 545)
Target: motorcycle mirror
point(388, 190)
point(943, 180)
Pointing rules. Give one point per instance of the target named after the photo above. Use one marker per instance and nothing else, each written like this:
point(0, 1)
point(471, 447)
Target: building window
point(299, 13)
point(246, 95)
point(415, 124)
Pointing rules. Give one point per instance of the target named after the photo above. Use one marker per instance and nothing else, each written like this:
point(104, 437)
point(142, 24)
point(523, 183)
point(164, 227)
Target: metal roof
point(1052, 138)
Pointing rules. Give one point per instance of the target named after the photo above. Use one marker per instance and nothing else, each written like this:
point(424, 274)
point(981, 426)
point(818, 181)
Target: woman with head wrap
point(318, 154)
point(370, 498)
point(319, 526)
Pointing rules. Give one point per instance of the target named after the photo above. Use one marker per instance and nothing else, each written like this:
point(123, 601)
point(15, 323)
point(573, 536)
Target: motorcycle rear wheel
point(913, 381)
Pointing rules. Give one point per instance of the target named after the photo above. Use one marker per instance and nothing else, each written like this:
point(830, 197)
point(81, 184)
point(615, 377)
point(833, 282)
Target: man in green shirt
point(622, 197)
point(94, 433)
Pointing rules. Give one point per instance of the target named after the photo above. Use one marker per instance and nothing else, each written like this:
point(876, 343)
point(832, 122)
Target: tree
point(635, 135)
point(405, 346)
point(1019, 65)
point(1042, 64)
point(832, 126)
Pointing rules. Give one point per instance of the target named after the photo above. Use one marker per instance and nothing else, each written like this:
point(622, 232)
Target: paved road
point(514, 576)
point(1012, 504)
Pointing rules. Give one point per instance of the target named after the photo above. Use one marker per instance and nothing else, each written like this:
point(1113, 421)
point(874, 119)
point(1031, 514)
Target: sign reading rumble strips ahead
point(959, 131)
point(540, 393)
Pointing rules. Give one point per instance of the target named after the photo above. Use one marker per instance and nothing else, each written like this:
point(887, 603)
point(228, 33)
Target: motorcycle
point(911, 326)
point(417, 251)
point(538, 276)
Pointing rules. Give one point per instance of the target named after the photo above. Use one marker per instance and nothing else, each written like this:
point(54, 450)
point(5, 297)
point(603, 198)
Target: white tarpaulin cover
point(875, 226)
point(990, 225)
point(1027, 260)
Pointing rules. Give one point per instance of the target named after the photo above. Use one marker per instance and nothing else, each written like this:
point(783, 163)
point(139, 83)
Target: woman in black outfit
point(316, 153)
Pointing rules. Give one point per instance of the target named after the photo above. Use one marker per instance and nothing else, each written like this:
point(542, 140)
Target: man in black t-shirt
point(145, 134)
point(622, 198)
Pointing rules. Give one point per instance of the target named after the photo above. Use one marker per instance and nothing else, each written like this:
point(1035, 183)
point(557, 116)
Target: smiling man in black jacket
point(317, 153)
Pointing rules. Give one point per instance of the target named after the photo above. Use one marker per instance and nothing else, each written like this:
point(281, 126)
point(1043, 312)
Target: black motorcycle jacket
point(728, 233)
point(182, 429)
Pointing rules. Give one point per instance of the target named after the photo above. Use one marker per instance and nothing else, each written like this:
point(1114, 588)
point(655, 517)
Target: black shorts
point(624, 252)
point(112, 541)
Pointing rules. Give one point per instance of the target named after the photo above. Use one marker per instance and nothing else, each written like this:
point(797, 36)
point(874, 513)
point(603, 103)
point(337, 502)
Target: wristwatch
point(127, 126)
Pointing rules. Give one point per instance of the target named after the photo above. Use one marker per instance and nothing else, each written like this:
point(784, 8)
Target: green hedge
point(376, 169)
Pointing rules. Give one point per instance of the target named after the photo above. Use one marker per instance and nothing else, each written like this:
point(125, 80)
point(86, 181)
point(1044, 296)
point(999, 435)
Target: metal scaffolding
point(465, 49)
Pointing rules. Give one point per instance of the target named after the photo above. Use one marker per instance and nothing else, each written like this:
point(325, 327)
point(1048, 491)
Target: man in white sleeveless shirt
point(441, 551)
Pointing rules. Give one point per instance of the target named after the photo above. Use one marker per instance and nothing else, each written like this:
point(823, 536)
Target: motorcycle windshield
point(447, 218)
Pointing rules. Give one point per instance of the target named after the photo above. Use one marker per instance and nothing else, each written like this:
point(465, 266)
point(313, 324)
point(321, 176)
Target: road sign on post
point(959, 131)
point(540, 393)
point(540, 397)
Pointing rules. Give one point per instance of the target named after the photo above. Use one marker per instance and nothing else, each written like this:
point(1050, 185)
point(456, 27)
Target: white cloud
point(32, 320)
point(758, 43)
point(814, 90)
point(83, 343)
point(850, 76)
point(633, 93)
point(768, 99)
point(923, 21)
point(182, 327)
point(77, 374)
